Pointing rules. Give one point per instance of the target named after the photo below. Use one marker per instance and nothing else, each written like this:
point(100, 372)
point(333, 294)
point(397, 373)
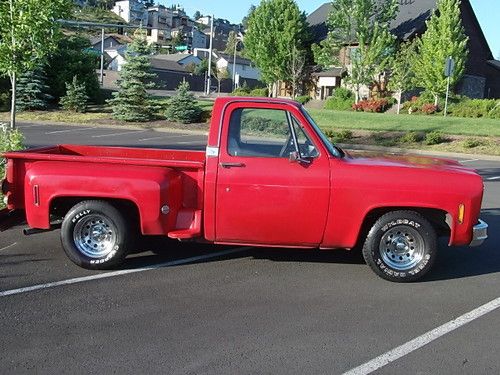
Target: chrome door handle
point(232, 165)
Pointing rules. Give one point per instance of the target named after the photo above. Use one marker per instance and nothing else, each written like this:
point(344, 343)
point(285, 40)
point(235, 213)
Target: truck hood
point(408, 161)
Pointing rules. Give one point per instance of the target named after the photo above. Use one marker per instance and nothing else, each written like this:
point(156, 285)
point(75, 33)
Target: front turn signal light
point(461, 213)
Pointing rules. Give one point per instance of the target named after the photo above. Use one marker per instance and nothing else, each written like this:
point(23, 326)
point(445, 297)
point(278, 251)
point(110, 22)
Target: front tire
point(401, 246)
point(94, 235)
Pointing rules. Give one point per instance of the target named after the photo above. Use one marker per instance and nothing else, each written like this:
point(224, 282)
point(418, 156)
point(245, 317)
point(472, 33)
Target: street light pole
point(102, 58)
point(234, 63)
point(210, 55)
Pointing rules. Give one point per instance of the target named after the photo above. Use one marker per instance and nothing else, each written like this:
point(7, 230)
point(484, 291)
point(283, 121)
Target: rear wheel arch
point(60, 206)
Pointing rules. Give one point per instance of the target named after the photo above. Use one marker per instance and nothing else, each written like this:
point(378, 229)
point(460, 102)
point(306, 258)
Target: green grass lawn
point(335, 120)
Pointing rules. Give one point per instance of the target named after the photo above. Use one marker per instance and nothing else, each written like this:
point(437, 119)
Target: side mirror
point(296, 158)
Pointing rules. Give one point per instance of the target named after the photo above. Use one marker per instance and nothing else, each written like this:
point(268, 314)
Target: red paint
point(268, 201)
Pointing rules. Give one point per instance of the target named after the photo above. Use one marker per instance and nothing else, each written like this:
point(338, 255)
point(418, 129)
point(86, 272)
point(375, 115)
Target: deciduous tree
point(274, 28)
point(28, 33)
point(402, 67)
point(445, 36)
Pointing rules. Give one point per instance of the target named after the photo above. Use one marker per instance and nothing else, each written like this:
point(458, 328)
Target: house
point(160, 21)
point(192, 36)
point(482, 74)
point(132, 11)
point(111, 41)
point(222, 29)
point(115, 58)
point(181, 59)
point(244, 68)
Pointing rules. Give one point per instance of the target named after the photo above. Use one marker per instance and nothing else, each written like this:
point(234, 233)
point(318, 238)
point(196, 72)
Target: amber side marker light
point(461, 213)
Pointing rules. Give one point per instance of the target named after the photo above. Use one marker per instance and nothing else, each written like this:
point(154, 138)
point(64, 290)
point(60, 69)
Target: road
point(198, 309)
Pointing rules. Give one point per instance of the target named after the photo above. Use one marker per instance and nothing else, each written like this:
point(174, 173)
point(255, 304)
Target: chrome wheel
point(402, 248)
point(95, 236)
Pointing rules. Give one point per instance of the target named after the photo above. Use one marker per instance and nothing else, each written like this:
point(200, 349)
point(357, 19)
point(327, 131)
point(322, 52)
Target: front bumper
point(479, 234)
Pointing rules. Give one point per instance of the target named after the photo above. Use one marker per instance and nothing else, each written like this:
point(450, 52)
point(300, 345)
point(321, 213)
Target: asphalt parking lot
point(200, 309)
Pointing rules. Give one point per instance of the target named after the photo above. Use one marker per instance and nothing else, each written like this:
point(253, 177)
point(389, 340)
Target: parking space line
point(9, 246)
point(165, 136)
point(493, 178)
point(424, 339)
point(108, 275)
point(114, 134)
point(70, 130)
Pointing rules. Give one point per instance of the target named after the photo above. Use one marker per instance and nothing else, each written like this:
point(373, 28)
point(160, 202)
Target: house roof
point(239, 60)
point(409, 20)
point(177, 57)
point(494, 63)
point(163, 64)
point(122, 39)
point(334, 72)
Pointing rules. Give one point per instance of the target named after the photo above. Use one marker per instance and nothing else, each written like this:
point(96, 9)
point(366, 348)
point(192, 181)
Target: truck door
point(273, 183)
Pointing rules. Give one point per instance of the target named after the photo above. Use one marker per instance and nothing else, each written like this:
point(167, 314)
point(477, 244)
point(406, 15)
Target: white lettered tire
point(401, 246)
point(94, 235)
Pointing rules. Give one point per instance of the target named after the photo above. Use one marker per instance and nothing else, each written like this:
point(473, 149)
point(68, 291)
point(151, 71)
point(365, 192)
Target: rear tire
point(94, 235)
point(401, 246)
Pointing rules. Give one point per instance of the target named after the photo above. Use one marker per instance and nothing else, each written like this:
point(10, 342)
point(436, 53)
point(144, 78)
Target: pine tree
point(32, 91)
point(183, 107)
point(76, 98)
point(132, 102)
point(445, 36)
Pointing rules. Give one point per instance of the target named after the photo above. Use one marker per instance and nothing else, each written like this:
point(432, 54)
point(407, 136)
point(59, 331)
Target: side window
point(267, 133)
point(259, 132)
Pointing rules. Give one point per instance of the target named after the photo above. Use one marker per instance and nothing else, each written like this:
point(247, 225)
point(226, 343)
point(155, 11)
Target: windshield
point(334, 150)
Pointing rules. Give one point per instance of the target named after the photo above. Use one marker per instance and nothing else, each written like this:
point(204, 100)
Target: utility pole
point(209, 79)
point(234, 62)
point(102, 57)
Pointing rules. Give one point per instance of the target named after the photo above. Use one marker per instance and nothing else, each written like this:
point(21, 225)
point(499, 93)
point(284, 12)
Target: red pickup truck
point(269, 177)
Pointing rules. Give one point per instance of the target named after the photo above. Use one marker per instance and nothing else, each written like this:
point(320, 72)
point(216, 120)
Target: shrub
point(412, 137)
point(259, 125)
point(339, 137)
point(495, 112)
point(183, 107)
point(260, 92)
point(422, 104)
point(76, 98)
point(473, 143)
point(434, 138)
point(429, 109)
point(10, 140)
point(341, 100)
point(245, 91)
point(475, 108)
point(4, 101)
point(303, 99)
point(372, 105)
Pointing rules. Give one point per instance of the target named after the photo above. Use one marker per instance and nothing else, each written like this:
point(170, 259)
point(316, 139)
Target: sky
point(487, 12)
